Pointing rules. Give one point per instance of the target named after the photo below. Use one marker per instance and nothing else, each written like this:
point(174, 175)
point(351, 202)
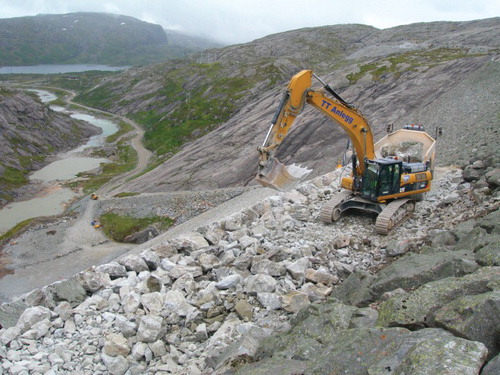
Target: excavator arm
point(271, 171)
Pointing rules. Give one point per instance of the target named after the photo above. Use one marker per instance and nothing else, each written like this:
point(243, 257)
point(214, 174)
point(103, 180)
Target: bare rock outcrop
point(442, 75)
point(30, 132)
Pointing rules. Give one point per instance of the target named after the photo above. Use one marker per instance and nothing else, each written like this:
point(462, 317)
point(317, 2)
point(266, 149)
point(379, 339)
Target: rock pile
point(273, 285)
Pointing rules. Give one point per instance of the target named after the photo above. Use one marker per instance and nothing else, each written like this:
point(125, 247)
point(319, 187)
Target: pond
point(53, 198)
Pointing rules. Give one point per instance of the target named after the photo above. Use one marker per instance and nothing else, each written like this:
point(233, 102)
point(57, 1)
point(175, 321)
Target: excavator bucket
point(280, 177)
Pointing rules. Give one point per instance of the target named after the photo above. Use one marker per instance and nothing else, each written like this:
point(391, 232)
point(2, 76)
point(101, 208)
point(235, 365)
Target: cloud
point(238, 21)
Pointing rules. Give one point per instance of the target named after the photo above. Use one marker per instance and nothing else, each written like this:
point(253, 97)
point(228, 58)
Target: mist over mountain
point(92, 38)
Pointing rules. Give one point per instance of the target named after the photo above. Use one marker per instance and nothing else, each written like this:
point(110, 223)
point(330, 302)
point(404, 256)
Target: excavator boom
point(272, 172)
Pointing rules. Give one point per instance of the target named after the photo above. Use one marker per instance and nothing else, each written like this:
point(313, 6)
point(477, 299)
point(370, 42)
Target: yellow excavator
point(387, 177)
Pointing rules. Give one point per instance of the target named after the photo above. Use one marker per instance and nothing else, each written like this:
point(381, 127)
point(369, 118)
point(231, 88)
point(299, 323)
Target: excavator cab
point(381, 178)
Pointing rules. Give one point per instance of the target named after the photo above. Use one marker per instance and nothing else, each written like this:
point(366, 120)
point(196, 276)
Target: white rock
point(38, 330)
point(151, 258)
point(150, 328)
point(201, 332)
point(9, 334)
point(113, 269)
point(69, 326)
point(233, 222)
point(260, 283)
point(247, 241)
point(208, 261)
point(116, 344)
point(115, 365)
point(191, 241)
point(179, 271)
point(298, 268)
point(134, 263)
point(269, 300)
point(267, 267)
point(230, 282)
point(32, 315)
point(226, 331)
point(126, 327)
point(131, 302)
point(158, 348)
point(167, 264)
point(153, 302)
point(294, 196)
point(175, 302)
point(92, 281)
point(139, 350)
point(64, 310)
point(63, 353)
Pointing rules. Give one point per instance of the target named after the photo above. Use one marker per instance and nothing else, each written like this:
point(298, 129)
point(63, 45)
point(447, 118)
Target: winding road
point(143, 154)
point(39, 259)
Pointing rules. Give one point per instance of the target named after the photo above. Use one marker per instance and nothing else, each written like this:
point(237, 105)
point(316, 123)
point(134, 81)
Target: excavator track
point(393, 215)
point(330, 211)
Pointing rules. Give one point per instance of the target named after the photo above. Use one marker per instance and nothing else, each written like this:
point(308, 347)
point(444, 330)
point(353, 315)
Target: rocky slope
point(29, 133)
point(442, 75)
point(271, 289)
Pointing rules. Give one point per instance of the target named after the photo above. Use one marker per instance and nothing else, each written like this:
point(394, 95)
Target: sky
point(241, 21)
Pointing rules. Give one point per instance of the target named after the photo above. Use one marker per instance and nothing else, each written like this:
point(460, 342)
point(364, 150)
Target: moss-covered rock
point(414, 270)
point(313, 327)
point(475, 317)
point(417, 309)
point(274, 366)
point(355, 290)
point(489, 255)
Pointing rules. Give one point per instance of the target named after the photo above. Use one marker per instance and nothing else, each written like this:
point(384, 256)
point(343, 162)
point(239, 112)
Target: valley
point(250, 281)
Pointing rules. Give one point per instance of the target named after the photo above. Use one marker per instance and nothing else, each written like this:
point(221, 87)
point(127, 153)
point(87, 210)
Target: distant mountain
point(91, 38)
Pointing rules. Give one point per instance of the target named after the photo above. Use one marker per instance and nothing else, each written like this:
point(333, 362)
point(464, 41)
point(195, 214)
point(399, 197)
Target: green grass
point(124, 194)
point(117, 227)
point(398, 64)
point(15, 230)
point(13, 178)
point(196, 112)
point(100, 97)
point(124, 128)
point(126, 160)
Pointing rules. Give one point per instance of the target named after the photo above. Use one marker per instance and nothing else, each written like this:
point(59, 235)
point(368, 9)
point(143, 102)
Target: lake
point(58, 69)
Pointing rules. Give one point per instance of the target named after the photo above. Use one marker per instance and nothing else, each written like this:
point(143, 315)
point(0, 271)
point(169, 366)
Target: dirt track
point(57, 249)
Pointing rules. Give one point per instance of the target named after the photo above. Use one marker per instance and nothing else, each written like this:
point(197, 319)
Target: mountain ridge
point(390, 78)
point(89, 37)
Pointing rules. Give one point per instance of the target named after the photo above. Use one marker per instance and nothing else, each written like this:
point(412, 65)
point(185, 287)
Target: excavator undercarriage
point(389, 215)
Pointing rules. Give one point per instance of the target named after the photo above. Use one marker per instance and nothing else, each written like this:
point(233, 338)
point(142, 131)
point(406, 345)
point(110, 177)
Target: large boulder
point(142, 236)
point(373, 351)
point(489, 255)
point(417, 309)
point(410, 271)
point(475, 318)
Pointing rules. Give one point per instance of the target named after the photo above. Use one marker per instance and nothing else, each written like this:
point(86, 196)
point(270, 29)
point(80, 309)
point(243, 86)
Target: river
point(53, 198)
